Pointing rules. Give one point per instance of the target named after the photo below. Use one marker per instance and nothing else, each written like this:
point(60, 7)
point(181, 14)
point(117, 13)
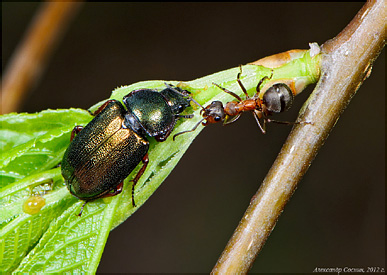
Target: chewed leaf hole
point(162, 163)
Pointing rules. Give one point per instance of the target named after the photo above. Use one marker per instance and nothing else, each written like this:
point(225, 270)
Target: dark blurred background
point(336, 218)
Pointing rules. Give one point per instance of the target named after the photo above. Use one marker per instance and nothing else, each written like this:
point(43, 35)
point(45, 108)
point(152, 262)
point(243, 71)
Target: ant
point(278, 98)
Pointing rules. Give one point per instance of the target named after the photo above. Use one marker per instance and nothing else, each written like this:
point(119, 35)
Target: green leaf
point(72, 243)
point(52, 238)
point(20, 231)
point(31, 143)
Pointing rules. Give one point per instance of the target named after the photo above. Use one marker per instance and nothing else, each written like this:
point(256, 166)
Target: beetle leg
point(75, 131)
point(80, 212)
point(145, 161)
point(185, 116)
point(115, 191)
point(101, 107)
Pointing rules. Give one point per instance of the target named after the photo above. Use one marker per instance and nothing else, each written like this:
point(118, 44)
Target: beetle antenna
point(177, 89)
point(193, 129)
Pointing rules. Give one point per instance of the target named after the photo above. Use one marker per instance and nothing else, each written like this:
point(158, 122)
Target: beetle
point(276, 99)
point(104, 152)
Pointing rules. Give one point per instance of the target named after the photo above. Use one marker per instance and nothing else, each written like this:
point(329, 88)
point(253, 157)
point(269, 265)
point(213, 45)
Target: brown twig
point(31, 56)
point(346, 63)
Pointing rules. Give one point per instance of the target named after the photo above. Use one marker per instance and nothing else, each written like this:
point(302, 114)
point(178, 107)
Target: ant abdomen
point(278, 98)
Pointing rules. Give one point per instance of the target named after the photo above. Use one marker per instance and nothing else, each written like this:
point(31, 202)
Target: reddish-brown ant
point(278, 98)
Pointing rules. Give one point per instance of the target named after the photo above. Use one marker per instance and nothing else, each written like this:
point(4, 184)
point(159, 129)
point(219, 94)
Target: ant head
point(213, 113)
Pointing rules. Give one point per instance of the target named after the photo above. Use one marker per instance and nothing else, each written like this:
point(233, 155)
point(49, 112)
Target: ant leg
point(227, 91)
point(188, 131)
point(229, 120)
point(75, 131)
point(281, 122)
point(261, 81)
point(288, 122)
point(262, 128)
point(145, 161)
point(240, 82)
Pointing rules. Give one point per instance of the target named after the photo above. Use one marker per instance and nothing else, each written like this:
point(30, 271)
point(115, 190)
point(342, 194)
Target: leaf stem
point(31, 56)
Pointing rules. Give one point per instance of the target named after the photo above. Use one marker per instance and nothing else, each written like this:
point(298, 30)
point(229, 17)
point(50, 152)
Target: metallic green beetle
point(104, 152)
